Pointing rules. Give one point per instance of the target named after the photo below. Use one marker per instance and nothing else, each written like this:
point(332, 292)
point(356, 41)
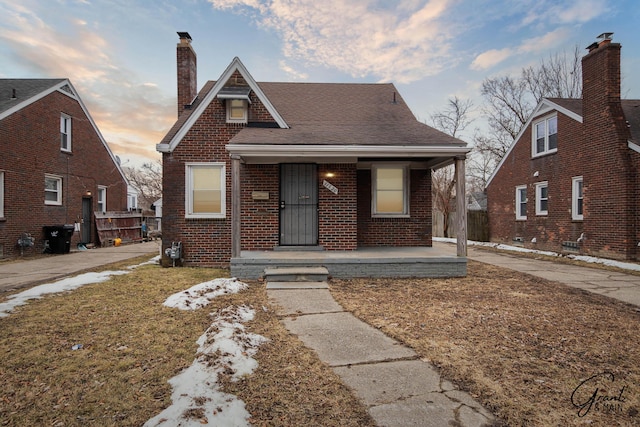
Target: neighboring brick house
point(574, 186)
point(265, 166)
point(55, 167)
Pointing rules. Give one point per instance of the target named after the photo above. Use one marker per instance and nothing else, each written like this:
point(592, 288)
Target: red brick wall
point(260, 218)
point(413, 231)
point(597, 150)
point(338, 216)
point(31, 149)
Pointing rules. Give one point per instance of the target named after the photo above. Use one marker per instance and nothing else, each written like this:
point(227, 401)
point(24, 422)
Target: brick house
point(55, 168)
point(252, 167)
point(569, 182)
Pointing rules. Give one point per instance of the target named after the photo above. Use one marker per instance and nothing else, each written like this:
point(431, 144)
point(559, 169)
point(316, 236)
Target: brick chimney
point(187, 72)
point(601, 75)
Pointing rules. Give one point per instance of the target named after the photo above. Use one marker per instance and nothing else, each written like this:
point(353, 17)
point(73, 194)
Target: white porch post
point(235, 206)
point(461, 208)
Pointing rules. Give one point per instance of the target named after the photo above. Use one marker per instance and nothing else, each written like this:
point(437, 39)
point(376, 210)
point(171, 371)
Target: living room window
point(236, 111)
point(205, 192)
point(521, 202)
point(577, 199)
point(545, 136)
point(52, 190)
point(542, 198)
point(390, 190)
point(65, 132)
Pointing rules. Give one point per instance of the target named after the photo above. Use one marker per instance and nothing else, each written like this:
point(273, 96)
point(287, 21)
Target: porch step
point(297, 285)
point(295, 274)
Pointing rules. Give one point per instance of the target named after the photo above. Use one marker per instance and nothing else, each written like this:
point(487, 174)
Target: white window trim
point(189, 193)
point(534, 141)
point(539, 186)
point(374, 190)
point(57, 202)
point(574, 198)
point(65, 118)
point(102, 198)
point(519, 202)
point(1, 194)
point(240, 120)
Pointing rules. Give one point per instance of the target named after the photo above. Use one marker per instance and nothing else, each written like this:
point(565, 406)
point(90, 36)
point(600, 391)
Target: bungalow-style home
point(258, 174)
point(570, 182)
point(56, 169)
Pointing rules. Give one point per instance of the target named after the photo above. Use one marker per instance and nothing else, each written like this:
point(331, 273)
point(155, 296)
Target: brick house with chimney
point(306, 169)
point(55, 168)
point(569, 182)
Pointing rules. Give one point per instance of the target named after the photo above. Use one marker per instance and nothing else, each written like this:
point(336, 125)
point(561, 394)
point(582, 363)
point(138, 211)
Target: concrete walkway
point(19, 274)
point(398, 388)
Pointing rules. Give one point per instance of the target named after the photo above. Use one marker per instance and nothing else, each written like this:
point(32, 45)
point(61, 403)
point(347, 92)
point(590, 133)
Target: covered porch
point(400, 262)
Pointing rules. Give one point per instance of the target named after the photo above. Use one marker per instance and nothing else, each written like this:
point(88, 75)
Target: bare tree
point(509, 101)
point(453, 120)
point(147, 180)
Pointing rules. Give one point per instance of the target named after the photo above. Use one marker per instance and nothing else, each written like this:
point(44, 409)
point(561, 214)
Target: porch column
point(235, 206)
point(461, 208)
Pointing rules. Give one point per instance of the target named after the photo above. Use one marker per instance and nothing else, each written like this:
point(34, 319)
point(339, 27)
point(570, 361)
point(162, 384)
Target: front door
point(85, 226)
point(298, 205)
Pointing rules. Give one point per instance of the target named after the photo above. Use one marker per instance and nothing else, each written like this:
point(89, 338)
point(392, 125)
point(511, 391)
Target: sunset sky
point(120, 54)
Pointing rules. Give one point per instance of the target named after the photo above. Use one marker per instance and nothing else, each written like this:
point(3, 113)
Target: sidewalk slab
point(303, 301)
point(341, 339)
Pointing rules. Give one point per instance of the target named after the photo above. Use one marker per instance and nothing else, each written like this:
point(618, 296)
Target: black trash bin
point(58, 238)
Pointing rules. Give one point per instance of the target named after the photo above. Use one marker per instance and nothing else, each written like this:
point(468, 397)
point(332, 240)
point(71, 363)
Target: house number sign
point(326, 184)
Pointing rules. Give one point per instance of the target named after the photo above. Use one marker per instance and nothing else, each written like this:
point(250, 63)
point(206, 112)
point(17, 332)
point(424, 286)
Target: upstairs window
point(65, 132)
point(521, 202)
point(205, 192)
point(52, 190)
point(542, 198)
point(1, 194)
point(390, 191)
point(577, 199)
point(545, 136)
point(236, 111)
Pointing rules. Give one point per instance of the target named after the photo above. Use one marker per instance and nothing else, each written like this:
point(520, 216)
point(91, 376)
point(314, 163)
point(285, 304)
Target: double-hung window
point(52, 190)
point(542, 198)
point(65, 132)
point(1, 194)
point(102, 198)
point(577, 198)
point(205, 190)
point(236, 111)
point(521, 202)
point(390, 190)
point(545, 136)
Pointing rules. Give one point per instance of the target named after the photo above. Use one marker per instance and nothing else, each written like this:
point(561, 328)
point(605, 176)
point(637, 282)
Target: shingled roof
point(15, 92)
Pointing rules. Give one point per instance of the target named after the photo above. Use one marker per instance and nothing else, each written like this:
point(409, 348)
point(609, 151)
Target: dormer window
point(545, 136)
point(236, 111)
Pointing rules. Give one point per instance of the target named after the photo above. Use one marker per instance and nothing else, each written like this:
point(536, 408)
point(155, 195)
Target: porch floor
point(422, 261)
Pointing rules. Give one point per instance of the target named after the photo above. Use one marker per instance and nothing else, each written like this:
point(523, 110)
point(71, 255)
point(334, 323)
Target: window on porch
point(390, 191)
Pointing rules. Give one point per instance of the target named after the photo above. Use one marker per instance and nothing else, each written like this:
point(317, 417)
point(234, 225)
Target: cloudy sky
point(120, 54)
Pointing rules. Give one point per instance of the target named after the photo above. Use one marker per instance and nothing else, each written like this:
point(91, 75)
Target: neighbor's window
point(102, 199)
point(390, 190)
point(1, 194)
point(545, 136)
point(577, 198)
point(52, 190)
point(236, 111)
point(65, 132)
point(542, 198)
point(205, 192)
point(521, 202)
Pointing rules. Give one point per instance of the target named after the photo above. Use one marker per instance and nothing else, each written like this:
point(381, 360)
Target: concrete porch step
point(296, 274)
point(297, 285)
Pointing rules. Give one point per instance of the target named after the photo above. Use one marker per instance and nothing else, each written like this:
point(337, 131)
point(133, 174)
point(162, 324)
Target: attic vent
point(13, 94)
point(67, 89)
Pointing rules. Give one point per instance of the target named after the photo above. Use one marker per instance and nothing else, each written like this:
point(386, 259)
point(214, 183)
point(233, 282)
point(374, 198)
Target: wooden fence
point(477, 225)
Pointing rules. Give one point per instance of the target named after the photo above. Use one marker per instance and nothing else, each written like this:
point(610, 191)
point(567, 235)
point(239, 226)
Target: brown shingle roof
point(631, 109)
point(571, 104)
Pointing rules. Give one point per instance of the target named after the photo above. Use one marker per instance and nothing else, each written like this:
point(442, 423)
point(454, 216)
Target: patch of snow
point(200, 295)
point(224, 347)
point(585, 258)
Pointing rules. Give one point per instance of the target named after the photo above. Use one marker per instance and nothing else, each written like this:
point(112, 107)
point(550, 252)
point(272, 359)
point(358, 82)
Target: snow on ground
point(63, 285)
point(224, 347)
point(584, 258)
point(200, 295)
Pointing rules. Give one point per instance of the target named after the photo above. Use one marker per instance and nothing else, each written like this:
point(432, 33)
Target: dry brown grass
point(132, 345)
point(520, 344)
